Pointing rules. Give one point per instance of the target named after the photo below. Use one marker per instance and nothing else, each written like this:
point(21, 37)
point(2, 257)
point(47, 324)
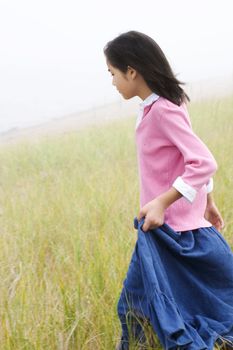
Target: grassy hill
point(66, 229)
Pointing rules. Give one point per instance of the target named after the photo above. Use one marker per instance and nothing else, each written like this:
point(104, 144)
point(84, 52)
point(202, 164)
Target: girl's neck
point(143, 89)
point(145, 94)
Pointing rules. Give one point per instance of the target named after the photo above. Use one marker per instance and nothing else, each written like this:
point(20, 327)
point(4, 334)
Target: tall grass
point(66, 229)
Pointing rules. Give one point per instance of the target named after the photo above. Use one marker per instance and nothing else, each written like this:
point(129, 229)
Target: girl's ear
point(132, 73)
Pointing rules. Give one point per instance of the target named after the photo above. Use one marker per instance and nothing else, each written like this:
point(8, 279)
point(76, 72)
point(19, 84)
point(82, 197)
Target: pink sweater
point(170, 154)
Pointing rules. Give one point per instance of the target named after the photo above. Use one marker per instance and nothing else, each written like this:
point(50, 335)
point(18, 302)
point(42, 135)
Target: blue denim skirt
point(182, 283)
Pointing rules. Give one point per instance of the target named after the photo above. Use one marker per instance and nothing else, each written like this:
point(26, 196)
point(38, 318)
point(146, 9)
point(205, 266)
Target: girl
point(180, 277)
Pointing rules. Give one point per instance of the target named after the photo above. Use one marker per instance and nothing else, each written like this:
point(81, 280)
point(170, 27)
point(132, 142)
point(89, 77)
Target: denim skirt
point(182, 283)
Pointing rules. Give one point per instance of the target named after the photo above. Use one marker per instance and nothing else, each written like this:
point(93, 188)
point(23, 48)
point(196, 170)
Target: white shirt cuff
point(210, 186)
point(186, 190)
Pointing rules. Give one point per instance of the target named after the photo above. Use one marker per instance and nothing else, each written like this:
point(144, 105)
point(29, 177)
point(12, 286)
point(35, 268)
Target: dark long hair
point(142, 53)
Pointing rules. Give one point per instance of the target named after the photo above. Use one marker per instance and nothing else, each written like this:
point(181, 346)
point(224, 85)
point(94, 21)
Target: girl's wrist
point(169, 197)
point(210, 199)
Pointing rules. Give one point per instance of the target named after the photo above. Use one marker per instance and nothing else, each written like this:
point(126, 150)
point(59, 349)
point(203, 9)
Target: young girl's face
point(124, 82)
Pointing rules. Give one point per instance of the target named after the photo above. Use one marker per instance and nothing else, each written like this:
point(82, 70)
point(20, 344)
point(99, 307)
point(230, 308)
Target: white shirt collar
point(148, 101)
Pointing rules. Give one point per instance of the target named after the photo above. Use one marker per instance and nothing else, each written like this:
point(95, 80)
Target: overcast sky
point(51, 51)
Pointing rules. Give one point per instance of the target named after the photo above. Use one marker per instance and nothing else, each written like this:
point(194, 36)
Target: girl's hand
point(154, 210)
point(153, 213)
point(213, 215)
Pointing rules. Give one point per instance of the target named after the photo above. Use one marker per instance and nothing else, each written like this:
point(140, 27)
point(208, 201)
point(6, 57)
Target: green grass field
point(66, 229)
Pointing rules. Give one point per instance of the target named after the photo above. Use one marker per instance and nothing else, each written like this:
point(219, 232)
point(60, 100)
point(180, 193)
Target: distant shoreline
point(72, 122)
point(202, 90)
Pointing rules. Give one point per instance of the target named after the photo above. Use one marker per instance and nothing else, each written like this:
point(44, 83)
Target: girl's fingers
point(139, 217)
point(146, 227)
point(141, 214)
point(221, 222)
point(150, 225)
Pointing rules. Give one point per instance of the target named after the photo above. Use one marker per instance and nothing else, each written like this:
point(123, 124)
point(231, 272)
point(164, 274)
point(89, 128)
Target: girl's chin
point(127, 97)
point(124, 96)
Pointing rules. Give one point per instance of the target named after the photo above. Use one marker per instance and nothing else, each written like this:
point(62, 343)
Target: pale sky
point(51, 51)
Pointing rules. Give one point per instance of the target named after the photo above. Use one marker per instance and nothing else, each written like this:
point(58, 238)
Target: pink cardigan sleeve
point(199, 163)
